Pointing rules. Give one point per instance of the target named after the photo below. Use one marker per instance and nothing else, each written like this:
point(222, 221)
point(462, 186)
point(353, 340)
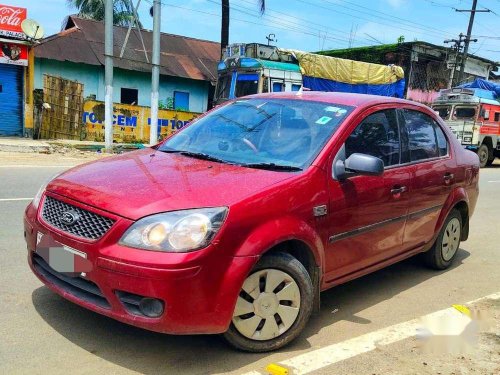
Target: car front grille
point(88, 224)
point(78, 287)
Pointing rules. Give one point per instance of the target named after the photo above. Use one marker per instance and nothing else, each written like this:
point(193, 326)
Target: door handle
point(448, 177)
point(397, 190)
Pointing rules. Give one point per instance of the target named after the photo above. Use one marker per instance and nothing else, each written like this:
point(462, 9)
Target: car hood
point(144, 182)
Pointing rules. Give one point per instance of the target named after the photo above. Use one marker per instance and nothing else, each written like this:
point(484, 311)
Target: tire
point(490, 161)
point(484, 155)
point(445, 249)
point(274, 305)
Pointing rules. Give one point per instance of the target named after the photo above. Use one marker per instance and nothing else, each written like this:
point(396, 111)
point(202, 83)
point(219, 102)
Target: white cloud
point(396, 3)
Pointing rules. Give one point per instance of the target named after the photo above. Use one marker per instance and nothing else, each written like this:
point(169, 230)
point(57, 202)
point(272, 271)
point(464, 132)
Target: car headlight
point(177, 231)
point(41, 190)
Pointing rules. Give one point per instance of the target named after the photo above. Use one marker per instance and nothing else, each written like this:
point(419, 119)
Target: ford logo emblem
point(69, 217)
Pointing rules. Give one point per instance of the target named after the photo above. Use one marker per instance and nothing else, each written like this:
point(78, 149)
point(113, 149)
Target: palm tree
point(224, 30)
point(94, 9)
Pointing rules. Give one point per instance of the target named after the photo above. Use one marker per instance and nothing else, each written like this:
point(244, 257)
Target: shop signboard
point(10, 21)
point(12, 53)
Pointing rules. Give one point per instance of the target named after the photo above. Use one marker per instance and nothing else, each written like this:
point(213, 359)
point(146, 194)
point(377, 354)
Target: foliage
point(94, 9)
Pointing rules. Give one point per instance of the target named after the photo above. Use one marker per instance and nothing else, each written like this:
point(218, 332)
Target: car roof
point(349, 99)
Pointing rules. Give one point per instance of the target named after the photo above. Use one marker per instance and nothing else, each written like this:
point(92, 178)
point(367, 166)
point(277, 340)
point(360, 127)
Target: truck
point(472, 111)
point(253, 68)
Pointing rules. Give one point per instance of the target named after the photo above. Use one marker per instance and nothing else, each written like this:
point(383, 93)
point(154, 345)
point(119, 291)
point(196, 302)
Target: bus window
point(278, 86)
point(223, 87)
point(467, 113)
point(443, 110)
point(497, 116)
point(246, 84)
point(295, 87)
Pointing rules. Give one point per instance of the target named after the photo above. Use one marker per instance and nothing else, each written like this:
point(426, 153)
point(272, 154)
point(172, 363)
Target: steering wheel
point(247, 144)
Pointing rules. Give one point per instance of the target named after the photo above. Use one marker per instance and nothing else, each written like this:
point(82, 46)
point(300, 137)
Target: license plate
point(62, 258)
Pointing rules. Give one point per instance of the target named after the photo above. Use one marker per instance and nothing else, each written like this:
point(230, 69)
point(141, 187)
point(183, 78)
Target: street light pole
point(155, 79)
point(108, 75)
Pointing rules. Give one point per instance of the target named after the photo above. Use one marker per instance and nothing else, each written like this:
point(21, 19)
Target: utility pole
point(108, 75)
point(457, 48)
point(473, 12)
point(155, 78)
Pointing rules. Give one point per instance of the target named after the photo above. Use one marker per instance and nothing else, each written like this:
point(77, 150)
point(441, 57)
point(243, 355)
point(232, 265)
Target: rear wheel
point(484, 155)
point(444, 250)
point(274, 305)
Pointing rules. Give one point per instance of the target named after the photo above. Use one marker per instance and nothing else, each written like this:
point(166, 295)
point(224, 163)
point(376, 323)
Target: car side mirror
point(358, 164)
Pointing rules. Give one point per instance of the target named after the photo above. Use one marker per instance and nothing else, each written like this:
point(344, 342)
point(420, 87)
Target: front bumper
point(198, 289)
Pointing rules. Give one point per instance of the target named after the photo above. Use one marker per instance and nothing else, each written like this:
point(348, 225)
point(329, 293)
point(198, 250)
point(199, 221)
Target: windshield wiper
point(197, 155)
point(272, 167)
point(203, 156)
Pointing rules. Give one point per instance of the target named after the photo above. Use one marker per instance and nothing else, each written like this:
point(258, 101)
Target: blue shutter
point(11, 100)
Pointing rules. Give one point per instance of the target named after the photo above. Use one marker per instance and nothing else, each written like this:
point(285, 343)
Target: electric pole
point(457, 48)
point(108, 75)
point(155, 78)
point(472, 11)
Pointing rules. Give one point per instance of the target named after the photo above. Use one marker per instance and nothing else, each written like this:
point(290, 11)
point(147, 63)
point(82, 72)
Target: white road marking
point(331, 354)
point(15, 199)
point(494, 181)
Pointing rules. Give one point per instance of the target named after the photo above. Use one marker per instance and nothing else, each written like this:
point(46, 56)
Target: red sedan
point(236, 223)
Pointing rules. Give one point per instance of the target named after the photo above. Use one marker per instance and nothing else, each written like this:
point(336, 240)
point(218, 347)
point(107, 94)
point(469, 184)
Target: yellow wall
point(131, 122)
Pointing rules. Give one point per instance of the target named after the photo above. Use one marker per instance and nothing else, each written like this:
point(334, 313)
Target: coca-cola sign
point(10, 21)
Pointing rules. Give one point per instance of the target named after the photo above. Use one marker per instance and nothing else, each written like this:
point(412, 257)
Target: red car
point(236, 223)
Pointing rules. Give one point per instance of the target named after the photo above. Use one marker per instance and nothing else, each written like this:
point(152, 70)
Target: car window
point(441, 140)
point(421, 134)
point(376, 135)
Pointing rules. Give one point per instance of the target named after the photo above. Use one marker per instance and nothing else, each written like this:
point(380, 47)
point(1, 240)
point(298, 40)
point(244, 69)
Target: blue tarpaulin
point(395, 89)
point(479, 83)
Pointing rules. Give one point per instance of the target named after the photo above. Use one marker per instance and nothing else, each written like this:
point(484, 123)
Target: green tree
point(94, 9)
point(224, 31)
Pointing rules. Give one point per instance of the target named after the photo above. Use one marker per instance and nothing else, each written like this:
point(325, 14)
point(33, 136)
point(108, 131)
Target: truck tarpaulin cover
point(479, 83)
point(325, 73)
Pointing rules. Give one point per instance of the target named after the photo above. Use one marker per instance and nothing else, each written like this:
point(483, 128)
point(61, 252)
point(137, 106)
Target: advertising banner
point(12, 53)
point(131, 123)
point(10, 21)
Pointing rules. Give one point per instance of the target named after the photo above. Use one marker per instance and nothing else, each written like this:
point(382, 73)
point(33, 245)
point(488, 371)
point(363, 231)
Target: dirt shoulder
point(70, 157)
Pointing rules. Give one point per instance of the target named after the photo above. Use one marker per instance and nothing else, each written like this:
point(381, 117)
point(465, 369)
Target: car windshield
point(264, 132)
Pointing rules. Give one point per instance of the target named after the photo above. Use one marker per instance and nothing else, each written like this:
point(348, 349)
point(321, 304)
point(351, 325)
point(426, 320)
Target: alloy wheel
point(267, 306)
point(451, 239)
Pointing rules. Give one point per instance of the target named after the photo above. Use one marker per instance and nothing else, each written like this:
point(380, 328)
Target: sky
point(310, 25)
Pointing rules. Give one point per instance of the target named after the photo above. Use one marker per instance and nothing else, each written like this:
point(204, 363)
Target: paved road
point(40, 332)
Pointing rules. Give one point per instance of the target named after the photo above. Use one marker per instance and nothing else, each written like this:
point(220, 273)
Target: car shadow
point(150, 353)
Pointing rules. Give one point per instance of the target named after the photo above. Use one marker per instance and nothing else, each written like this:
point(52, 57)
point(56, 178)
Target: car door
point(368, 213)
point(432, 176)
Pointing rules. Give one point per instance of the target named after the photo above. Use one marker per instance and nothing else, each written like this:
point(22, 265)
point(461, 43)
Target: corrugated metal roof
point(83, 42)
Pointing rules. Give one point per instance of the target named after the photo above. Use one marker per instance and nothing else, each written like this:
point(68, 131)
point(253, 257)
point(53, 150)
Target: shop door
point(11, 100)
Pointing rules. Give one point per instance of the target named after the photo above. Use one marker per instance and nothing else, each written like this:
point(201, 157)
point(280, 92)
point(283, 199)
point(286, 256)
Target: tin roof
point(82, 41)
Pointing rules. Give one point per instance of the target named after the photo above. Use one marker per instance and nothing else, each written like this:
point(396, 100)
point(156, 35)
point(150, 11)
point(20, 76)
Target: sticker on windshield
point(323, 120)
point(341, 112)
point(332, 109)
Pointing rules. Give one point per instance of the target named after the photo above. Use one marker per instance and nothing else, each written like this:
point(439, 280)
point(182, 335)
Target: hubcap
point(267, 306)
point(451, 239)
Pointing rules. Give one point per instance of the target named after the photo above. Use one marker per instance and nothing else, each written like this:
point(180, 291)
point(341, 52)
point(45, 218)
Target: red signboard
point(10, 21)
point(15, 54)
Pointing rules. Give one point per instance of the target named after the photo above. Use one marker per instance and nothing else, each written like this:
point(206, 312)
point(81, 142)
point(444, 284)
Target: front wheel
point(444, 250)
point(274, 305)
